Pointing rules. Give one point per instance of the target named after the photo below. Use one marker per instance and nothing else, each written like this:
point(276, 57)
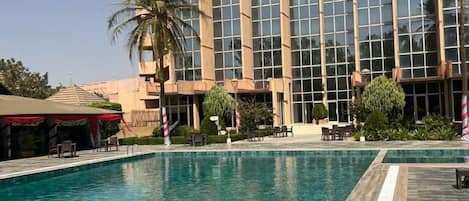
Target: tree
point(384, 95)
point(252, 114)
point(218, 102)
point(18, 80)
point(159, 20)
point(107, 128)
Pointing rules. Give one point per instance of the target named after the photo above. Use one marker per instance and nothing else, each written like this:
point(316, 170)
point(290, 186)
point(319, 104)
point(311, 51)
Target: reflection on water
point(190, 176)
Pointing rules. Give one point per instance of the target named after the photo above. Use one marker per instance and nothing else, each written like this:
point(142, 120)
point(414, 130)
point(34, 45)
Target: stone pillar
point(395, 29)
point(286, 61)
point(323, 53)
point(246, 39)
point(206, 40)
point(356, 36)
point(195, 111)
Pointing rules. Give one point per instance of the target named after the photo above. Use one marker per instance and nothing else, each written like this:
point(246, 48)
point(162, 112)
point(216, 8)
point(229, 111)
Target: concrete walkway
point(411, 185)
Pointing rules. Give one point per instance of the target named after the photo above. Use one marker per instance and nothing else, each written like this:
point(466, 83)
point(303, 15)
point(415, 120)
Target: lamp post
point(234, 82)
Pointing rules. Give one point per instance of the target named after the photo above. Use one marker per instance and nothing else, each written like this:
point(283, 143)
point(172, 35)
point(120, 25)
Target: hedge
point(212, 139)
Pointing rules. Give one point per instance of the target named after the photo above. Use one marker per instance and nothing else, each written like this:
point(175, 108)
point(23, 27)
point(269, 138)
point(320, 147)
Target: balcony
point(147, 68)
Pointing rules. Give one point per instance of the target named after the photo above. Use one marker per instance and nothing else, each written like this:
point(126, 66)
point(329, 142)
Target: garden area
point(379, 112)
point(217, 102)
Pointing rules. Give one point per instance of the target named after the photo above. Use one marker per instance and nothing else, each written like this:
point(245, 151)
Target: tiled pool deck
point(415, 181)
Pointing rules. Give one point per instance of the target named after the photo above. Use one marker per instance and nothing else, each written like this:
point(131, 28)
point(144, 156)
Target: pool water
point(426, 156)
point(292, 175)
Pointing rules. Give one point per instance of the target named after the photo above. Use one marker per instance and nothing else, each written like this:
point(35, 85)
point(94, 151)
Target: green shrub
point(208, 127)
point(252, 114)
point(357, 135)
point(358, 111)
point(319, 111)
point(384, 95)
point(376, 121)
point(218, 102)
point(183, 130)
point(433, 122)
point(157, 132)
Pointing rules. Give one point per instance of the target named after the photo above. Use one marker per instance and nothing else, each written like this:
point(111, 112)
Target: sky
point(68, 39)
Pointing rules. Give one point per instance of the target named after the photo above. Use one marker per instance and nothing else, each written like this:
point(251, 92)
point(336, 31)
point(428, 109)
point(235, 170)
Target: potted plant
point(319, 112)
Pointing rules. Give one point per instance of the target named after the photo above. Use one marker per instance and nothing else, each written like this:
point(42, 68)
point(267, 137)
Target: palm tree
point(158, 19)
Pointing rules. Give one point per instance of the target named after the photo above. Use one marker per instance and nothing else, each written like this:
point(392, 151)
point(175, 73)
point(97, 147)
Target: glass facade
point(316, 77)
point(376, 37)
point(188, 64)
point(417, 38)
point(340, 56)
point(306, 58)
point(266, 41)
point(451, 26)
point(227, 39)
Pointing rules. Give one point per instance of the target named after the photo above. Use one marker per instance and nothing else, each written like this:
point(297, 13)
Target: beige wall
point(124, 92)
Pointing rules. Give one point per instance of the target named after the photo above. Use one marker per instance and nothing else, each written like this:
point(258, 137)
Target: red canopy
point(92, 120)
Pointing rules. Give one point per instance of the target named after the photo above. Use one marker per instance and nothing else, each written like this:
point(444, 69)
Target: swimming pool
point(426, 156)
point(279, 175)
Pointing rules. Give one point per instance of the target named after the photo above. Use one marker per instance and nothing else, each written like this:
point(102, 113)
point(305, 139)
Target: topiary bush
point(208, 127)
point(320, 111)
point(183, 130)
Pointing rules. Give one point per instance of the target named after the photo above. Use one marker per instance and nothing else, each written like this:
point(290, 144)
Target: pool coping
point(377, 163)
point(22, 176)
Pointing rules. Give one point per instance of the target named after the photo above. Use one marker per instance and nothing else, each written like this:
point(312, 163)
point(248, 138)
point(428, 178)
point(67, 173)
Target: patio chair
point(188, 139)
point(113, 141)
point(284, 131)
point(52, 150)
point(325, 134)
point(199, 139)
point(339, 133)
point(276, 131)
point(67, 146)
point(290, 130)
point(462, 177)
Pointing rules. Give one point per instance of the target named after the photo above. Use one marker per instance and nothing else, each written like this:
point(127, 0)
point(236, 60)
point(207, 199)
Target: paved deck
point(415, 181)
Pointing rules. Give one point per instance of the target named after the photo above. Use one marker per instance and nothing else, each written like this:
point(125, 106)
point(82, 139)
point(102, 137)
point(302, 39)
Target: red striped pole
point(167, 141)
point(465, 119)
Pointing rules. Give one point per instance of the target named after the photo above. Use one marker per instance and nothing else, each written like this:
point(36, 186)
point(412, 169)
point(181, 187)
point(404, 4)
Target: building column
point(323, 53)
point(395, 31)
point(286, 61)
point(442, 63)
point(195, 112)
point(246, 39)
point(206, 41)
point(52, 133)
point(356, 41)
point(5, 134)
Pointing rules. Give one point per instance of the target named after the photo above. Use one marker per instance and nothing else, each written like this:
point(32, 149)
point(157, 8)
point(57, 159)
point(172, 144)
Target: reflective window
point(451, 31)
point(417, 41)
point(187, 63)
point(267, 41)
point(227, 40)
point(376, 37)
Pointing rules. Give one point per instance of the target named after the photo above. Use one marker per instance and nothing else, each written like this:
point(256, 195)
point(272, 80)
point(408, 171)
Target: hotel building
point(292, 54)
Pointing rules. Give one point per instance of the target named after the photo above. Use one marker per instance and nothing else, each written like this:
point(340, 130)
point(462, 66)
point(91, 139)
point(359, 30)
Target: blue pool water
point(315, 175)
point(426, 156)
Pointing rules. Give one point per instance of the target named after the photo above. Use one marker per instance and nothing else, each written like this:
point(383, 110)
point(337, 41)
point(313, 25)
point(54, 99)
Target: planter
point(362, 138)
point(324, 121)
